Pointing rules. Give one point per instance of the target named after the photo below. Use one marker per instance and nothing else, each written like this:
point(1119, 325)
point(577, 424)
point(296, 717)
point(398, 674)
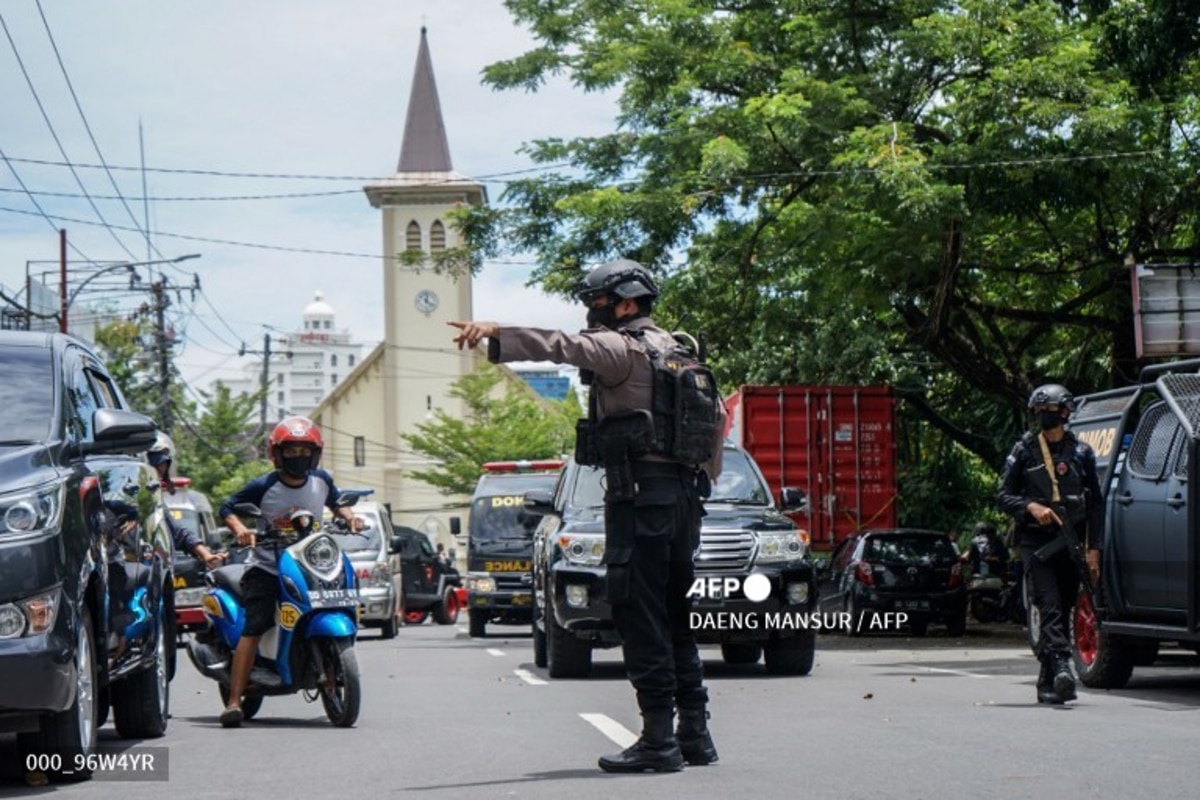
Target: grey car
point(379, 586)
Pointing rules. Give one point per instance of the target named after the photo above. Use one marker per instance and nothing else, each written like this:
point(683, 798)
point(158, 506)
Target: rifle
point(1069, 539)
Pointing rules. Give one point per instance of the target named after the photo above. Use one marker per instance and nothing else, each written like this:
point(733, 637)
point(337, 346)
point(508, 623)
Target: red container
point(837, 443)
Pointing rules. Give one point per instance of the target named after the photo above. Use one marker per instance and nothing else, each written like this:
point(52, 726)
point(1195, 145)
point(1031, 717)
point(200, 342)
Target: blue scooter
point(311, 647)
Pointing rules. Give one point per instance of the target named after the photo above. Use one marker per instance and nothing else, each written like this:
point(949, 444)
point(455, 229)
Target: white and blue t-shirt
point(278, 503)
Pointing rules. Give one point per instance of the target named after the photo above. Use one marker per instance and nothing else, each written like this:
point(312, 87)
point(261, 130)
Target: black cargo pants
point(1055, 585)
point(650, 543)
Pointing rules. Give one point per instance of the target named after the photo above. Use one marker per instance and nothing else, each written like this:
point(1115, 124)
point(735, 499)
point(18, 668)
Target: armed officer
point(652, 500)
point(1048, 474)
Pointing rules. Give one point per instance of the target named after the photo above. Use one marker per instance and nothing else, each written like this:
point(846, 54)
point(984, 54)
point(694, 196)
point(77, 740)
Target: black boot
point(655, 751)
point(1064, 679)
point(1045, 685)
point(695, 742)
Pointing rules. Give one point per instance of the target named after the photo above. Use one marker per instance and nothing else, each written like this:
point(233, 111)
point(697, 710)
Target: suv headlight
point(582, 549)
point(776, 546)
point(481, 584)
point(33, 510)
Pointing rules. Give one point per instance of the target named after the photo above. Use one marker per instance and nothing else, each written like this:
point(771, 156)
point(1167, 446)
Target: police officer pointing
point(653, 498)
point(1048, 474)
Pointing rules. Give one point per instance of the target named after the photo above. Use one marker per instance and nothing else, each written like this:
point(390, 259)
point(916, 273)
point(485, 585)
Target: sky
point(265, 88)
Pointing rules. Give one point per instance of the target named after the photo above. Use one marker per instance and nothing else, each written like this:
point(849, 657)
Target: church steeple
point(425, 148)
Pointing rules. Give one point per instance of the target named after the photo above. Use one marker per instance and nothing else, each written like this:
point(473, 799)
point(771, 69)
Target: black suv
point(742, 534)
point(428, 583)
point(86, 609)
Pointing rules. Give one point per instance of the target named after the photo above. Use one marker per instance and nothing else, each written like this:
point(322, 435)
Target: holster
point(620, 440)
point(1050, 549)
point(586, 452)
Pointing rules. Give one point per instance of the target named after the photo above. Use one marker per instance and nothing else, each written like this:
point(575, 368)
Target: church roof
point(425, 148)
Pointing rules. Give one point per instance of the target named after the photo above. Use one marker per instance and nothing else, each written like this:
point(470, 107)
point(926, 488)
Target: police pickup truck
point(1145, 437)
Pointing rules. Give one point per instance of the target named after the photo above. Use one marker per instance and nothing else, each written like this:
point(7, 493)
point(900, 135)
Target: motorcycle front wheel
point(340, 687)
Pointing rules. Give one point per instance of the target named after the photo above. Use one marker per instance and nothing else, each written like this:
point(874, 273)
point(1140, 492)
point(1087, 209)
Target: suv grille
point(725, 551)
point(512, 582)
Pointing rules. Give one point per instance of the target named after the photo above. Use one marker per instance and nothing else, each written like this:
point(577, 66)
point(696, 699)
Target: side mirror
point(247, 510)
point(119, 431)
point(792, 499)
point(541, 502)
point(347, 499)
point(396, 544)
point(455, 526)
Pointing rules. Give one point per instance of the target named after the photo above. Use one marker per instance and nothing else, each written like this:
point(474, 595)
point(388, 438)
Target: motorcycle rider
point(295, 447)
point(161, 456)
point(987, 549)
point(1042, 470)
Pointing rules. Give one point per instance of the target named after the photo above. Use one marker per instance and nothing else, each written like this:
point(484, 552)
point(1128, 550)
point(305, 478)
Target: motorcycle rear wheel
point(250, 704)
point(343, 699)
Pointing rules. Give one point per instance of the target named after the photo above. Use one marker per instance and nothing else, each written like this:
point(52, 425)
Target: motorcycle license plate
point(324, 598)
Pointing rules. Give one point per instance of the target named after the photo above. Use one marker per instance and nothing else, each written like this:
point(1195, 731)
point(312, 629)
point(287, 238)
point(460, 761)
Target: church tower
point(419, 360)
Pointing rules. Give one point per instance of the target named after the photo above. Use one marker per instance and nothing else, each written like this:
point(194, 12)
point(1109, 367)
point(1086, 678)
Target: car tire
point(72, 732)
point(791, 656)
point(1102, 660)
point(415, 617)
point(446, 611)
point(856, 616)
point(251, 704)
point(141, 702)
point(478, 621)
point(540, 657)
point(741, 653)
point(567, 656)
point(387, 630)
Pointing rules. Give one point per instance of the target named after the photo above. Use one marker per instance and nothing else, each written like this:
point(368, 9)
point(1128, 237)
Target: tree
point(218, 453)
point(938, 195)
point(512, 428)
point(124, 345)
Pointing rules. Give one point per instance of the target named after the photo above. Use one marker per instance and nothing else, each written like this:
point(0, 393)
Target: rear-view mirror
point(540, 501)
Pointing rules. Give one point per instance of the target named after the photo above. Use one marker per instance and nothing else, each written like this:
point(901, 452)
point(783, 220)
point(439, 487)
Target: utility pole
point(161, 301)
point(264, 381)
point(62, 272)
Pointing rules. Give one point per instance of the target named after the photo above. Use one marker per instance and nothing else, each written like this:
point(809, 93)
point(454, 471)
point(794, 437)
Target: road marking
point(493, 651)
point(618, 733)
point(463, 630)
point(529, 677)
point(957, 672)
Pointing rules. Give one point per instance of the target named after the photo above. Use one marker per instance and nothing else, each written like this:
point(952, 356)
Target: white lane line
point(611, 728)
point(529, 677)
point(493, 651)
point(462, 630)
point(957, 672)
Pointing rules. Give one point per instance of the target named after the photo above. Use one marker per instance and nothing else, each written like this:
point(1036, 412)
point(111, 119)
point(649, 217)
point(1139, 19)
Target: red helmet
point(295, 430)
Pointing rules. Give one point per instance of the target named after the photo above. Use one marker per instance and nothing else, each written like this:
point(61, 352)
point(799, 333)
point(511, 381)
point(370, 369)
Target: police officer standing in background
point(652, 500)
point(1049, 473)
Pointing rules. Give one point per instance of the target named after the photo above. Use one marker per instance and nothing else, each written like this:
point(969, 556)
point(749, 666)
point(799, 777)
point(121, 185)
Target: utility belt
point(624, 446)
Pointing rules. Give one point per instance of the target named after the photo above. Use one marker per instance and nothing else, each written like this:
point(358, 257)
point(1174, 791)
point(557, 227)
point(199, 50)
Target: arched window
point(352, 359)
point(412, 237)
point(437, 236)
point(333, 360)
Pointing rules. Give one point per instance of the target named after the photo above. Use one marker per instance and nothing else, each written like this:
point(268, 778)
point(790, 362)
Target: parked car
point(430, 585)
point(380, 581)
point(86, 616)
point(500, 542)
point(896, 570)
point(192, 510)
point(742, 533)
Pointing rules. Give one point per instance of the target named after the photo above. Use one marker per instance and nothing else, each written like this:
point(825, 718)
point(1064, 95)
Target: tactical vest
point(1069, 472)
point(685, 405)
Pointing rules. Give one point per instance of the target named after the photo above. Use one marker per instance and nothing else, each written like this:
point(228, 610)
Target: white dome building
point(305, 365)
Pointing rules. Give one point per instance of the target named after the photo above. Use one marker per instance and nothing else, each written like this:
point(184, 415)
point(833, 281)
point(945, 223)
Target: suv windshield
point(501, 514)
point(26, 395)
point(908, 549)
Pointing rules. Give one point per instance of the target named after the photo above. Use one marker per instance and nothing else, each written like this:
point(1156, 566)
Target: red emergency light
point(182, 483)
point(521, 466)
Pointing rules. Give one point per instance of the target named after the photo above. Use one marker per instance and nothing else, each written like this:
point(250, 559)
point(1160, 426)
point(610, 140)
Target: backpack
point(685, 406)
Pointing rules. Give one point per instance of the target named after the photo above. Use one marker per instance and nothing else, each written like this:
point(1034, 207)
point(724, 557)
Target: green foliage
point(218, 452)
point(939, 196)
point(124, 346)
point(514, 427)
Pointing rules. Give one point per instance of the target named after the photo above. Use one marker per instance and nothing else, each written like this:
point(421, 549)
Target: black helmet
point(984, 529)
point(624, 278)
point(1052, 394)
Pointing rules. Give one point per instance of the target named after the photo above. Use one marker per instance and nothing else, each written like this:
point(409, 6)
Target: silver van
point(379, 587)
point(190, 509)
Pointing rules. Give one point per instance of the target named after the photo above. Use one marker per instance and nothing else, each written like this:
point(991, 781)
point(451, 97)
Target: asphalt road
point(446, 716)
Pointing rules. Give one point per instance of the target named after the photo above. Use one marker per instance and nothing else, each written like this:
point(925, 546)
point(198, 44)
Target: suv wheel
point(1102, 660)
point(478, 623)
point(140, 702)
point(540, 657)
point(793, 655)
point(567, 657)
point(388, 629)
point(446, 611)
point(72, 732)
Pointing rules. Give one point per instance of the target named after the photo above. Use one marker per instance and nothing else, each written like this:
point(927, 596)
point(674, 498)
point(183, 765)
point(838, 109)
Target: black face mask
point(296, 466)
point(1048, 420)
point(605, 317)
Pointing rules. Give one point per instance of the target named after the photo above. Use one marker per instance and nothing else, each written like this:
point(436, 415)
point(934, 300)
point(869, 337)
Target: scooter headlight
point(323, 555)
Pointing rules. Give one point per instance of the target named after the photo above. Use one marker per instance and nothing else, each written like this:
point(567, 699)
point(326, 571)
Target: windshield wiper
point(16, 442)
point(736, 501)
